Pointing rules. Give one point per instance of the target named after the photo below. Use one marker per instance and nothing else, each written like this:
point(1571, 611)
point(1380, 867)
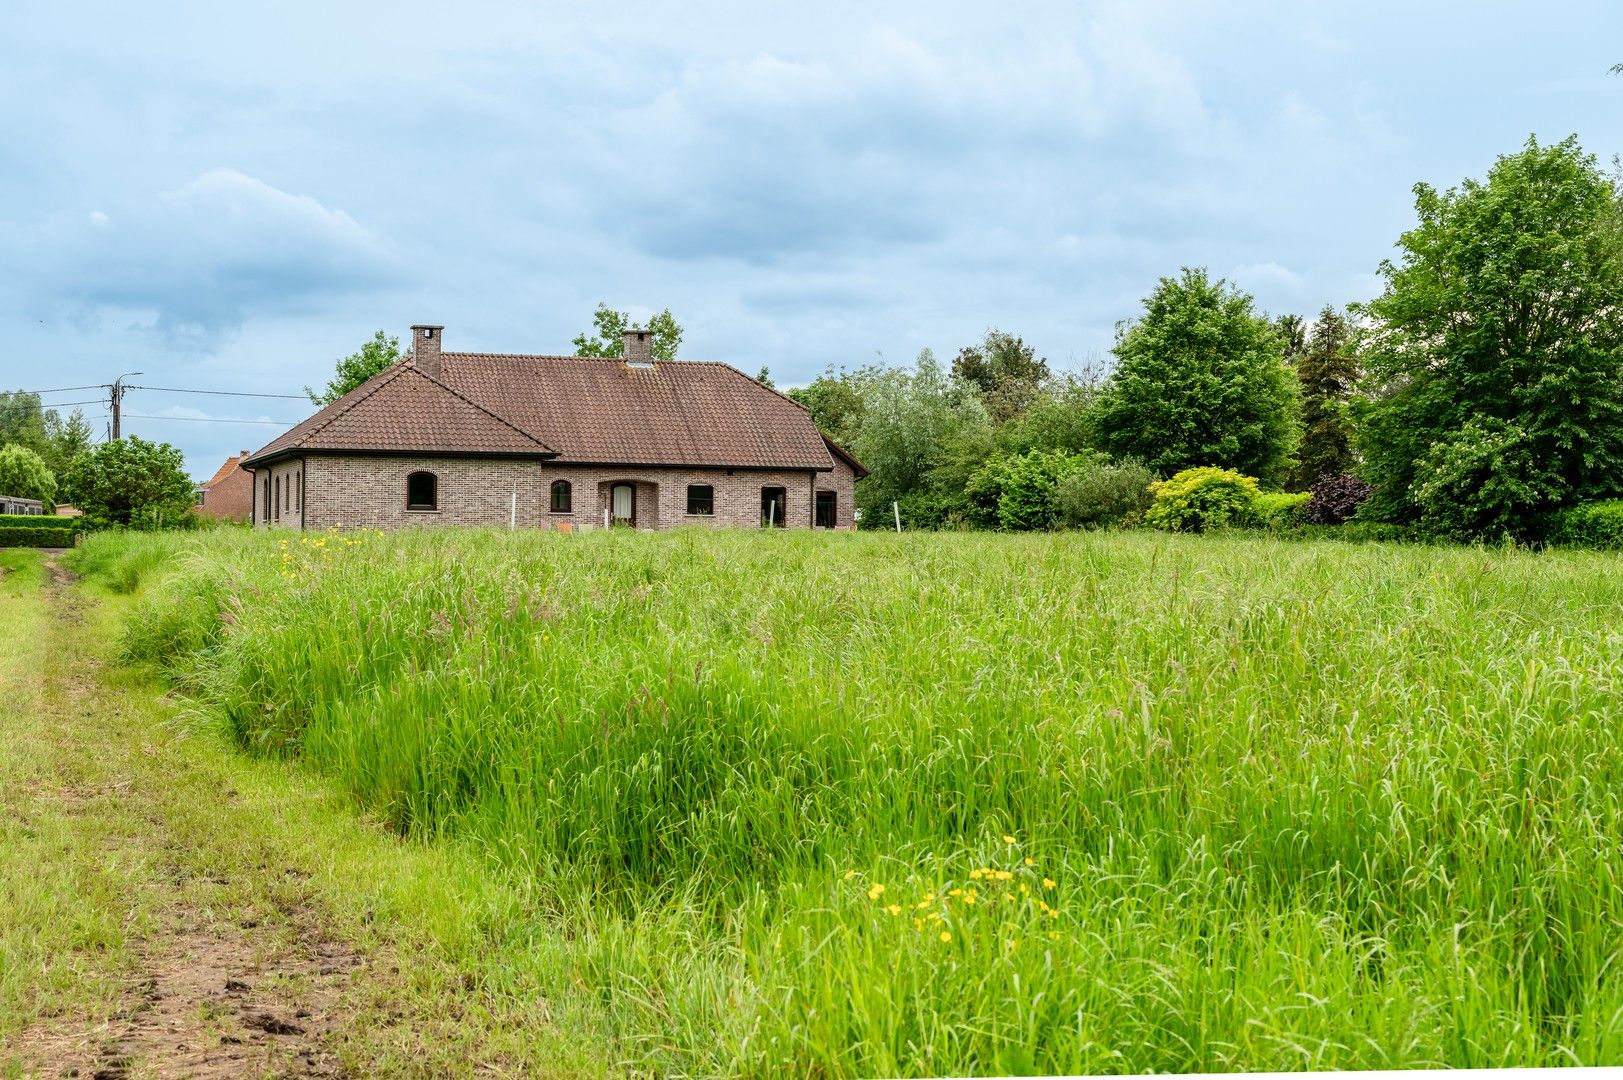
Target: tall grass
point(867, 804)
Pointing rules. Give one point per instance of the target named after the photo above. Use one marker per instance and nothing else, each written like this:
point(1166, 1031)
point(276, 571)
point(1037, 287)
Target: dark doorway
point(824, 516)
point(774, 501)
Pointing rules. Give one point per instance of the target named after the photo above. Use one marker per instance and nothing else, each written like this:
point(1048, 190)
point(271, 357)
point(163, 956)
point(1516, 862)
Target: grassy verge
point(864, 804)
point(117, 811)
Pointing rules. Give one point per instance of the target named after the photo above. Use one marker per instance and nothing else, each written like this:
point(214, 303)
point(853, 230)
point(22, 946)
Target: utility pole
point(116, 390)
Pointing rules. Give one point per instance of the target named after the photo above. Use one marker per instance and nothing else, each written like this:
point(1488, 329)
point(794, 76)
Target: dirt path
point(215, 991)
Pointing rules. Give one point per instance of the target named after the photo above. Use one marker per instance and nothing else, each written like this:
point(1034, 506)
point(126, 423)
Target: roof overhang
point(253, 463)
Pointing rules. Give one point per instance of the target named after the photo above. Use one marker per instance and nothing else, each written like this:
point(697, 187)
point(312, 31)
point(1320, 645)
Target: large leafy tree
point(1327, 370)
point(607, 337)
point(1007, 372)
point(65, 439)
point(24, 474)
point(1201, 380)
point(374, 357)
point(1500, 329)
point(22, 421)
point(130, 482)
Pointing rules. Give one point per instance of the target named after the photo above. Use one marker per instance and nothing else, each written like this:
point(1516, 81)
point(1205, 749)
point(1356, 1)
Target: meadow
point(859, 804)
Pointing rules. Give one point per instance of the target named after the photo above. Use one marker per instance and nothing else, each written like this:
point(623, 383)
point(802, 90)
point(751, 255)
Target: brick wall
point(229, 498)
point(356, 492)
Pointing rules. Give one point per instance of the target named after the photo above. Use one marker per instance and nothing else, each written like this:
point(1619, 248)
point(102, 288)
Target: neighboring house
point(564, 442)
point(68, 511)
point(229, 494)
point(11, 504)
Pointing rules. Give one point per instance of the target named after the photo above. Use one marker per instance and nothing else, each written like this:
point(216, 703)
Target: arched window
point(422, 491)
point(563, 499)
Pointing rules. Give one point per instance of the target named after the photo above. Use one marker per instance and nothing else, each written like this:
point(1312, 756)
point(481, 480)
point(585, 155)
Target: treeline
point(1479, 396)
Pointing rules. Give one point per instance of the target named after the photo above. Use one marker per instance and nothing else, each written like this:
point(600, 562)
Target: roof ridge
point(484, 409)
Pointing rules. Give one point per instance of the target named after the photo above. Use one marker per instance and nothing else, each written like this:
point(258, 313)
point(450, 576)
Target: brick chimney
point(425, 349)
point(639, 346)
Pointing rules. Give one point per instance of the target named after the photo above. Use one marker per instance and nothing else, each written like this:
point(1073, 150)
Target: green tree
point(130, 482)
point(22, 421)
point(66, 439)
point(374, 357)
point(1500, 328)
point(1292, 336)
point(24, 474)
point(1007, 372)
point(835, 400)
point(608, 337)
point(1201, 380)
point(1327, 371)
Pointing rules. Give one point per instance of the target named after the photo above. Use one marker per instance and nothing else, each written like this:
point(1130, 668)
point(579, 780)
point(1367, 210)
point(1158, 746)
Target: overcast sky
point(230, 200)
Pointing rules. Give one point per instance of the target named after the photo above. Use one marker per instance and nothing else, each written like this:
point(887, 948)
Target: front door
point(773, 500)
point(623, 505)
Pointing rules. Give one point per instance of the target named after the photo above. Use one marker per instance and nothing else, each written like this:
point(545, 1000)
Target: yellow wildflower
point(918, 924)
point(969, 897)
point(955, 892)
point(945, 936)
point(1003, 875)
point(849, 874)
point(976, 874)
point(1007, 839)
point(1048, 883)
point(874, 893)
point(894, 909)
point(1053, 935)
point(1030, 861)
point(1024, 888)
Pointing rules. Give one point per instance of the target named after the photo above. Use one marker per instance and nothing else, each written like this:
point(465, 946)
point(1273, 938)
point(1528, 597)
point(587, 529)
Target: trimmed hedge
point(1593, 525)
point(1279, 509)
point(11, 536)
point(40, 521)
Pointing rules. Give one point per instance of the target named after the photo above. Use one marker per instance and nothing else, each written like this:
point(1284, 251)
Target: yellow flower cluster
point(937, 911)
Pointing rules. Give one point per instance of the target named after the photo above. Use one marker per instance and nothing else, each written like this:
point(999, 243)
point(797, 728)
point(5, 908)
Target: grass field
point(868, 804)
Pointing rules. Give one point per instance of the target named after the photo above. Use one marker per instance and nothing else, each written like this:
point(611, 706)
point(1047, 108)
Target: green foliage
point(1018, 494)
point(13, 536)
point(1485, 481)
point(1200, 379)
point(373, 358)
point(835, 401)
point(1327, 371)
point(1295, 812)
point(1279, 510)
point(1059, 417)
point(1099, 493)
point(1196, 500)
point(40, 521)
point(1502, 323)
point(1005, 371)
point(131, 482)
point(25, 422)
point(22, 420)
point(1593, 525)
point(24, 475)
point(608, 337)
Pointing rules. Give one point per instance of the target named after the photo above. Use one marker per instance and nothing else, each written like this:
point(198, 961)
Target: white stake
point(512, 513)
point(897, 509)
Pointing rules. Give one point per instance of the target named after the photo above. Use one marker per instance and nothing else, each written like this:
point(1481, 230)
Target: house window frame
point(833, 499)
point(709, 500)
point(567, 490)
point(420, 508)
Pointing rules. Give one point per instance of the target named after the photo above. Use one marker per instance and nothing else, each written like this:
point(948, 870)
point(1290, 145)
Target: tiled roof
point(225, 470)
point(404, 411)
point(677, 412)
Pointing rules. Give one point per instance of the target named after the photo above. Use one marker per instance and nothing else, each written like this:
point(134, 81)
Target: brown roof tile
point(404, 411)
point(676, 412)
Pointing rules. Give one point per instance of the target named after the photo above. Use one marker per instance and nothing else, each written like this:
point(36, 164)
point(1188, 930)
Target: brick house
point(554, 442)
point(228, 495)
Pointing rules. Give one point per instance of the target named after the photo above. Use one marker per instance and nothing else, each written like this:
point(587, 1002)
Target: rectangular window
point(298, 491)
point(825, 516)
point(701, 499)
point(278, 498)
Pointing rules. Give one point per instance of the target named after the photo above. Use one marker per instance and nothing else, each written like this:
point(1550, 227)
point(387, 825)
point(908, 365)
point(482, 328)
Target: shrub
point(14, 536)
point(1596, 525)
point(1335, 498)
point(1483, 482)
point(39, 521)
point(1018, 493)
point(1279, 509)
point(1100, 493)
point(1199, 499)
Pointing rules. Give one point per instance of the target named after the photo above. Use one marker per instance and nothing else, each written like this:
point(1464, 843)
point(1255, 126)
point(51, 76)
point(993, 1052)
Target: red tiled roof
point(225, 470)
point(676, 412)
point(404, 411)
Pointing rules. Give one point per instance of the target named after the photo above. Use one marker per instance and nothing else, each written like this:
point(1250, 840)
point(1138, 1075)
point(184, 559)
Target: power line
point(208, 419)
point(65, 389)
point(226, 393)
point(65, 404)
